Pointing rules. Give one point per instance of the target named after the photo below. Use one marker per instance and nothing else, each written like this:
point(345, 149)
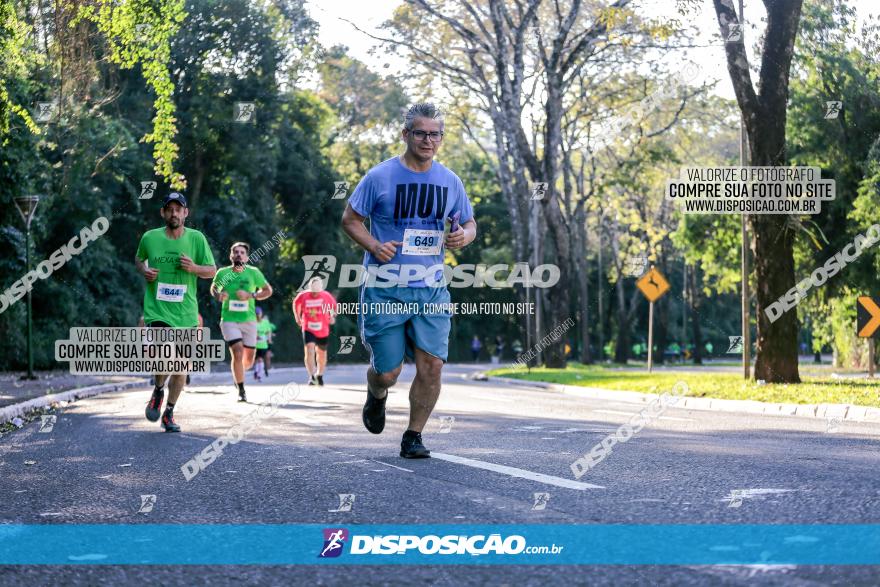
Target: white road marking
point(350, 462)
point(515, 472)
point(750, 493)
point(394, 466)
point(52, 514)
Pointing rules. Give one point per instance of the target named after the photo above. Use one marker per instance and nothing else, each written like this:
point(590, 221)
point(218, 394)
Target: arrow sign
point(653, 285)
point(868, 316)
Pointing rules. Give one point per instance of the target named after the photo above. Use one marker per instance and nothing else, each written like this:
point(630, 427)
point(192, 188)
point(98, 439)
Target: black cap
point(174, 197)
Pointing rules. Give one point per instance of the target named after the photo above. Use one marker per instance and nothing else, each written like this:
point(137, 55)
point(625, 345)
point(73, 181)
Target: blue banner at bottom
point(468, 544)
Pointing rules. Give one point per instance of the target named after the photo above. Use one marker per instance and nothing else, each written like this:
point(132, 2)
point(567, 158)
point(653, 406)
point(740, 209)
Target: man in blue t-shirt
point(405, 306)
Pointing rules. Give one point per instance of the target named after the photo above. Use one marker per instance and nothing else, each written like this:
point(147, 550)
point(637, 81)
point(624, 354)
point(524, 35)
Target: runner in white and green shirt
point(172, 259)
point(237, 286)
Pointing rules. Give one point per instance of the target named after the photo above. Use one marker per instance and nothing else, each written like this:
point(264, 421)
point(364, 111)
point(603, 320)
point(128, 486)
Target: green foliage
point(140, 32)
point(833, 62)
point(13, 66)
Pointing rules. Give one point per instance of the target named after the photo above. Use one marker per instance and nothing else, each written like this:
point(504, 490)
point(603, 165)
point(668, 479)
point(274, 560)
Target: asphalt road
point(102, 455)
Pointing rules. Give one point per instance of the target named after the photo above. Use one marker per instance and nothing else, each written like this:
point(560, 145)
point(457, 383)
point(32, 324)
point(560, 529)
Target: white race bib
point(170, 292)
point(422, 242)
point(314, 325)
point(238, 306)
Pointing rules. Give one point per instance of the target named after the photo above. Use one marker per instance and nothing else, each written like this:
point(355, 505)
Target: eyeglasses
point(420, 135)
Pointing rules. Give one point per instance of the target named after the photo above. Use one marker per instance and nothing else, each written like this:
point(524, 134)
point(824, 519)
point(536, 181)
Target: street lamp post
point(27, 206)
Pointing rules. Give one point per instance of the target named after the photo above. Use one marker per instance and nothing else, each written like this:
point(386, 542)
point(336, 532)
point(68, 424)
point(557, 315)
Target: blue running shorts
point(393, 321)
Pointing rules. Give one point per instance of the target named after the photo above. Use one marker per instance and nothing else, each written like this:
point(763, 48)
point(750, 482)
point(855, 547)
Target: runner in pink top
point(315, 310)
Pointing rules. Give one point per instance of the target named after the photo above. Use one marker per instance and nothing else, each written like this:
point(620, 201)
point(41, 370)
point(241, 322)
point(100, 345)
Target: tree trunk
point(557, 228)
point(583, 273)
point(621, 347)
point(764, 115)
point(694, 299)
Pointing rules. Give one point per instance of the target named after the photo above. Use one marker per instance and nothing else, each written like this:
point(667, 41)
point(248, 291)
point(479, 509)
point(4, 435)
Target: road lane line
point(514, 472)
point(390, 465)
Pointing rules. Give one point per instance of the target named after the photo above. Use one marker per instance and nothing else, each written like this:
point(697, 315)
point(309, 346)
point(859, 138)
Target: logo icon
point(47, 423)
point(635, 265)
point(244, 112)
point(736, 345)
point(735, 499)
point(446, 423)
point(832, 109)
point(321, 266)
point(142, 30)
point(46, 111)
point(541, 500)
point(148, 188)
point(340, 190)
point(147, 503)
point(832, 425)
point(334, 540)
point(538, 190)
point(346, 345)
point(346, 502)
point(734, 33)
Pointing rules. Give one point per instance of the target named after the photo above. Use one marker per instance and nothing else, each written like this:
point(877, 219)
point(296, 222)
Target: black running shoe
point(411, 446)
point(155, 404)
point(168, 422)
point(241, 396)
point(374, 413)
point(312, 380)
point(320, 380)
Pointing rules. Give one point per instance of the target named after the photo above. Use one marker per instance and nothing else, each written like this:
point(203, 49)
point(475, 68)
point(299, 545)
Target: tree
point(764, 115)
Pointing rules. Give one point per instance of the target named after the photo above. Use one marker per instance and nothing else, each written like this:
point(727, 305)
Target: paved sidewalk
point(14, 389)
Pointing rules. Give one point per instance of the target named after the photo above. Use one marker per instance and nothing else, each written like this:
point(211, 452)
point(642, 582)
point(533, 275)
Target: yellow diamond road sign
point(653, 285)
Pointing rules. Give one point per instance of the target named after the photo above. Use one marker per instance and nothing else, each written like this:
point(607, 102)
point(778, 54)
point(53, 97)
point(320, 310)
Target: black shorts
point(309, 336)
point(158, 324)
point(261, 353)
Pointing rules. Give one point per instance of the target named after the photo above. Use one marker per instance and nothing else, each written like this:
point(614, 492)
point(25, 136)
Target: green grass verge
point(813, 390)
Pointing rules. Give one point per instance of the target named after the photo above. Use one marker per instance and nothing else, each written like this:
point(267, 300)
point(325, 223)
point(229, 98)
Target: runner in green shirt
point(237, 286)
point(172, 259)
point(264, 333)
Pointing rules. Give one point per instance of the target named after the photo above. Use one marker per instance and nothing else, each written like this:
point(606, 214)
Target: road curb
point(7, 413)
point(850, 413)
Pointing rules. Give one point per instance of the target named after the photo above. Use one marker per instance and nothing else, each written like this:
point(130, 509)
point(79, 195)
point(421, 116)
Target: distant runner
point(408, 199)
point(171, 259)
point(314, 311)
point(238, 286)
point(264, 333)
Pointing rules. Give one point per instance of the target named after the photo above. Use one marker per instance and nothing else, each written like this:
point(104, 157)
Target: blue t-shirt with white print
point(410, 207)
